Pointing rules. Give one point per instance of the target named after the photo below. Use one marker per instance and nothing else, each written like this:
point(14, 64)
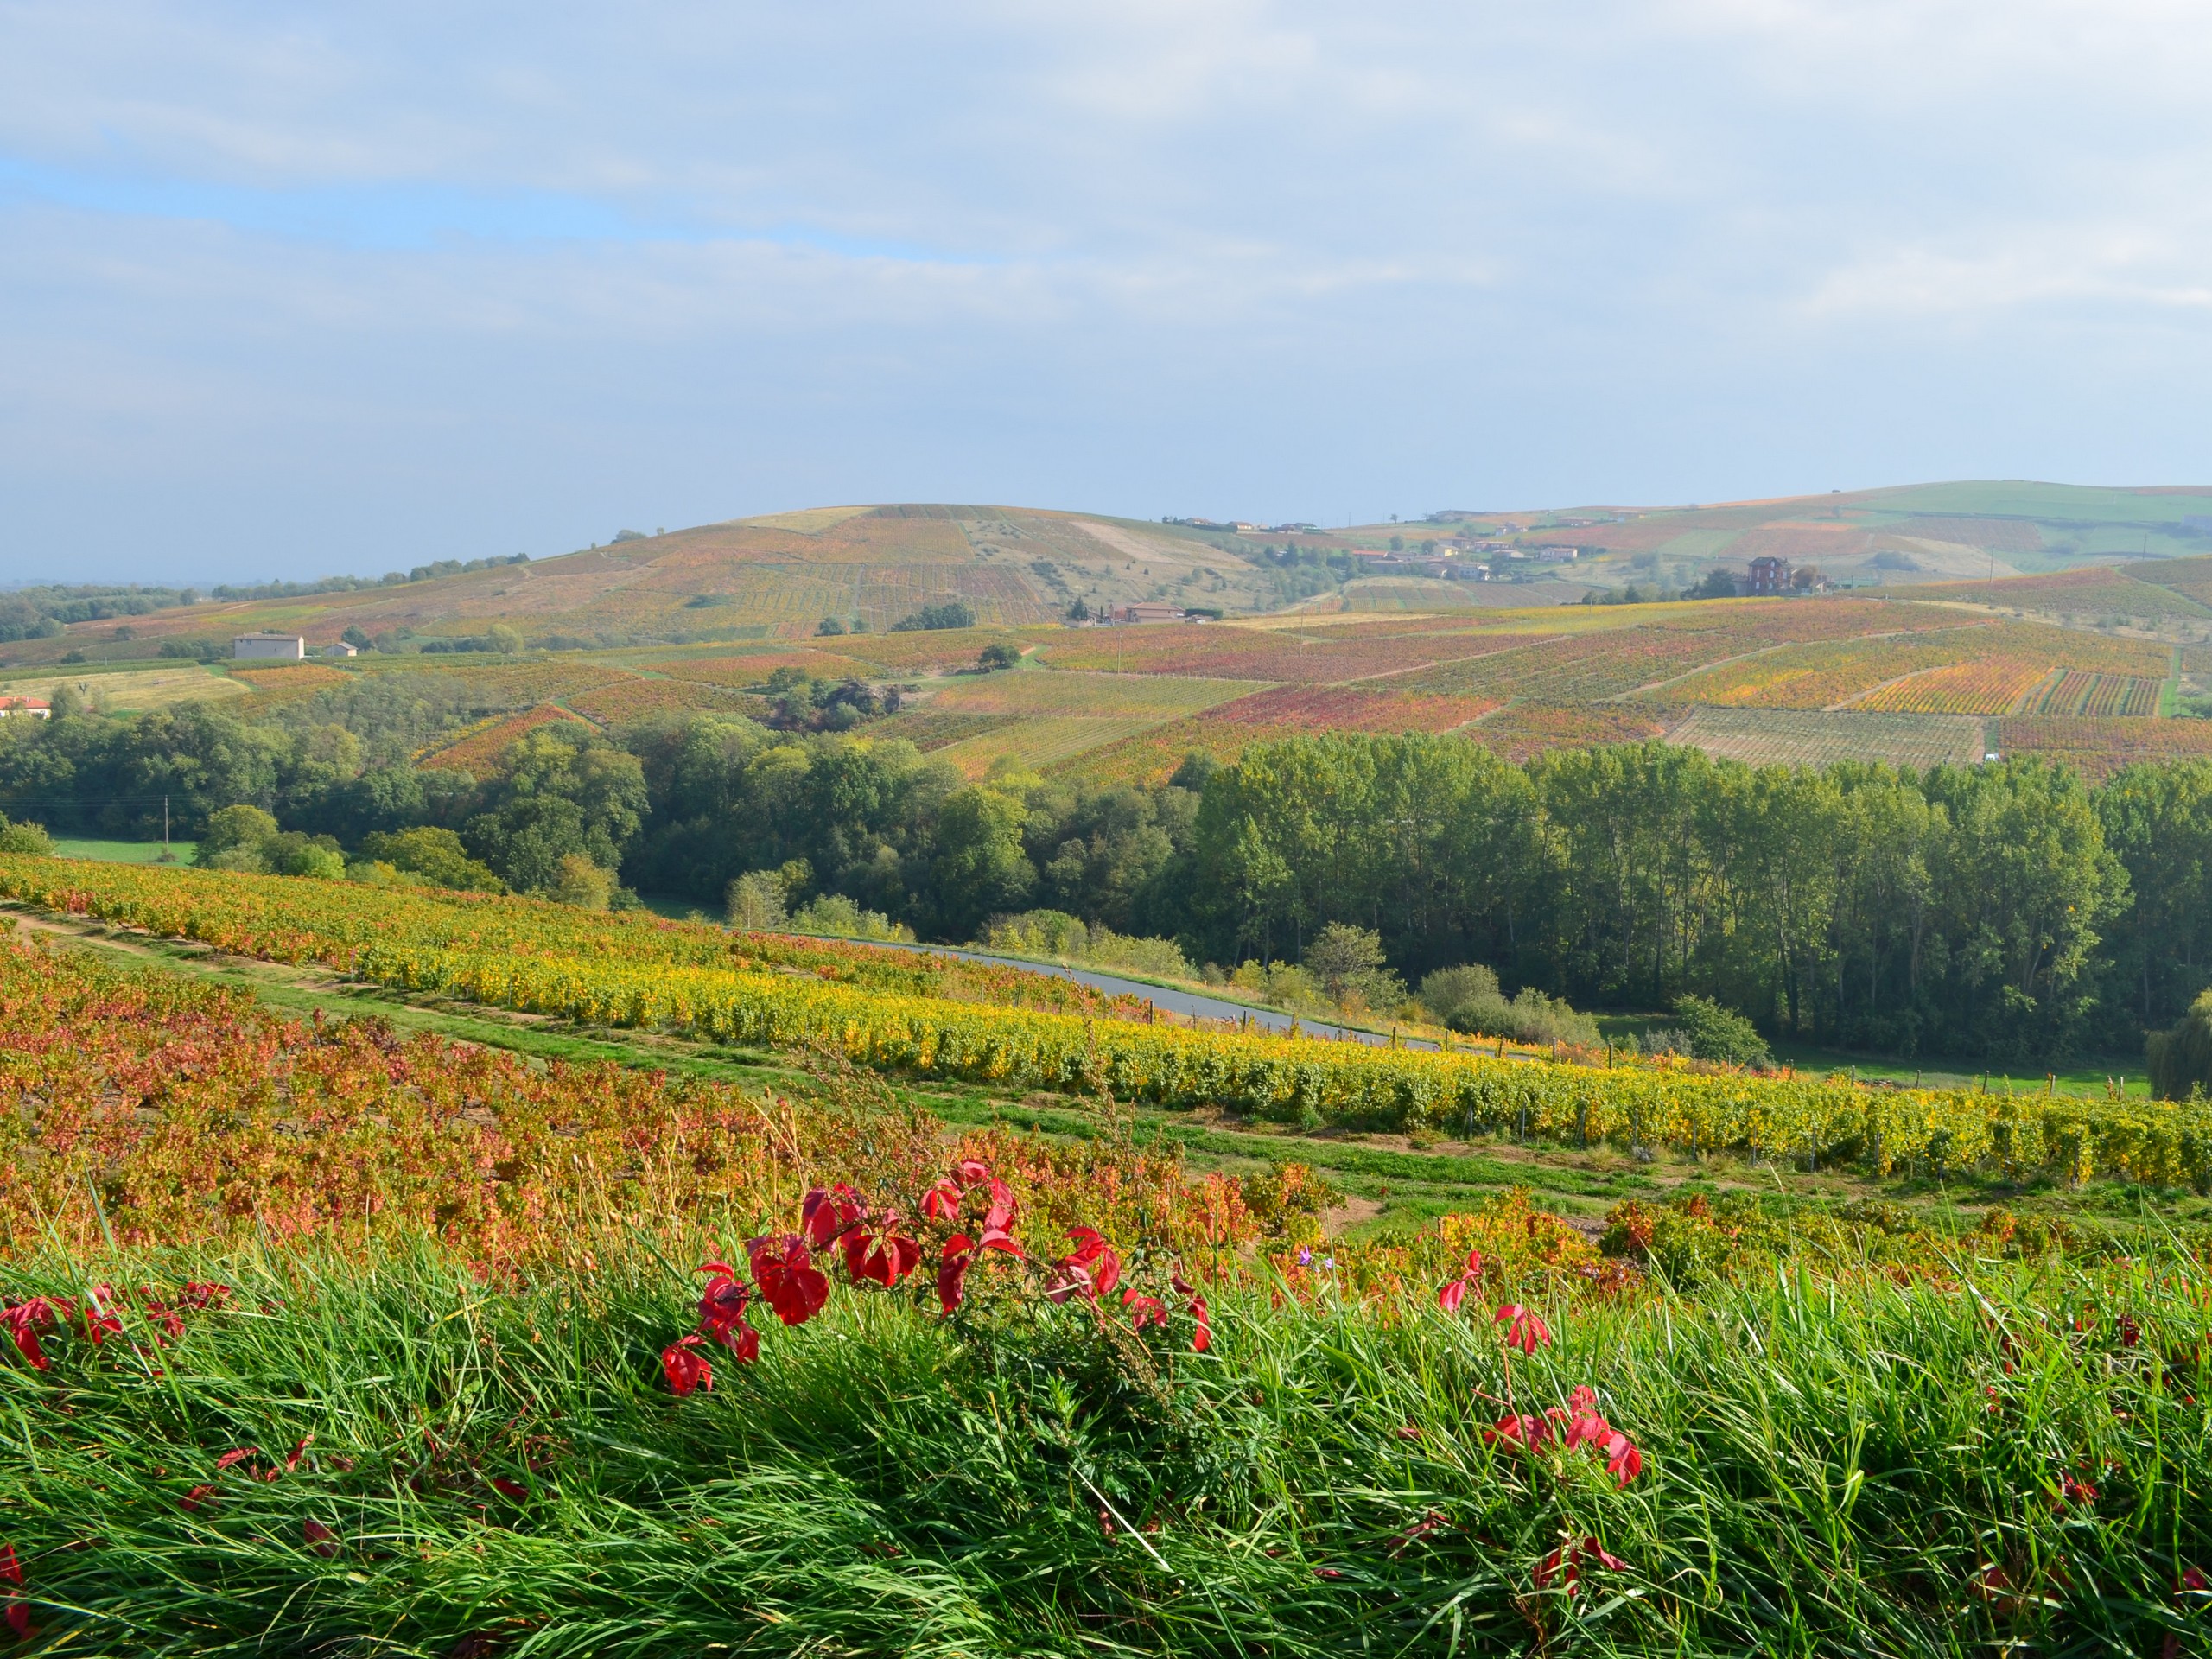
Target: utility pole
point(166, 855)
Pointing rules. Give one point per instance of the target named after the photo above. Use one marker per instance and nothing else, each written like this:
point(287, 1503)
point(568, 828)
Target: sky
point(292, 290)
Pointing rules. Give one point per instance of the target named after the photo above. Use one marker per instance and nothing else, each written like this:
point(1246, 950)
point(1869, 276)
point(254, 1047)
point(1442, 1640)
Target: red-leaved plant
point(1577, 1424)
point(976, 1212)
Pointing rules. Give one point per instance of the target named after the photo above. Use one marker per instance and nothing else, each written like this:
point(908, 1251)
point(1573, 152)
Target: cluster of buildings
point(1241, 527)
point(1146, 611)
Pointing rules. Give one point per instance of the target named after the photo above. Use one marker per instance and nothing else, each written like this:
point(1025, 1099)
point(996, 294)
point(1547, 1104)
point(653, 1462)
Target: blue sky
point(306, 288)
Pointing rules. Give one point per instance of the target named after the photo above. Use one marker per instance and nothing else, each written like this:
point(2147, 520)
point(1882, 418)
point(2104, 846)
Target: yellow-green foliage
point(529, 957)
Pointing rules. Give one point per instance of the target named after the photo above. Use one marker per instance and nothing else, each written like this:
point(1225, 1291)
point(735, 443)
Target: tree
point(829, 627)
point(503, 639)
point(561, 790)
point(577, 881)
point(980, 867)
point(435, 855)
point(756, 902)
point(237, 838)
point(950, 614)
point(356, 638)
point(1348, 962)
point(998, 655)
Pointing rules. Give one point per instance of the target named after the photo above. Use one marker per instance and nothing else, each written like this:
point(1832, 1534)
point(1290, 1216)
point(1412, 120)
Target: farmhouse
point(30, 707)
point(339, 648)
point(1768, 574)
point(277, 647)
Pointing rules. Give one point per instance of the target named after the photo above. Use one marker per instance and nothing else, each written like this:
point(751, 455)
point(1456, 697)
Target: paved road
point(1183, 1003)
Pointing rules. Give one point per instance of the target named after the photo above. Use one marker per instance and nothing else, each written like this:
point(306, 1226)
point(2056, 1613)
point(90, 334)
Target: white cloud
point(1098, 253)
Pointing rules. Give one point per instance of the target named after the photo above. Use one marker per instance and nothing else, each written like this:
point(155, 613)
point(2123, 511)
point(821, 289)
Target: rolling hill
point(753, 579)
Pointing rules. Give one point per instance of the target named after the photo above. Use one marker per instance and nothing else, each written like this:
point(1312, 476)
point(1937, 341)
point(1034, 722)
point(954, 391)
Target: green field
point(122, 852)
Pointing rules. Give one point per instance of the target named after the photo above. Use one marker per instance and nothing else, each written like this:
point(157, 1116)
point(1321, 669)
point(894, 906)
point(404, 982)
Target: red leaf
point(1524, 1330)
point(1474, 1264)
point(10, 1568)
point(1143, 1310)
point(1523, 1430)
point(722, 1305)
point(970, 1171)
point(192, 1499)
point(942, 1202)
point(238, 1454)
point(26, 1319)
point(789, 1282)
point(884, 1257)
point(19, 1620)
point(684, 1369)
point(1598, 1552)
point(1452, 1295)
point(1202, 1338)
point(2193, 1579)
point(1000, 1216)
point(1622, 1460)
point(514, 1489)
point(298, 1452)
point(324, 1541)
point(826, 1215)
point(100, 1322)
point(952, 1270)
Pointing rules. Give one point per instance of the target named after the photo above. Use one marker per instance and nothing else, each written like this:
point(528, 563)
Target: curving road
point(1182, 1002)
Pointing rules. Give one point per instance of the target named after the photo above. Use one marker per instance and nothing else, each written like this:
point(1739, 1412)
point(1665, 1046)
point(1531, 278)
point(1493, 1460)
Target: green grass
point(122, 852)
point(1824, 1473)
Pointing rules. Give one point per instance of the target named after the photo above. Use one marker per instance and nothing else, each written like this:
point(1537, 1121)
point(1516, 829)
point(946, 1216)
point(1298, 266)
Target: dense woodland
point(2007, 911)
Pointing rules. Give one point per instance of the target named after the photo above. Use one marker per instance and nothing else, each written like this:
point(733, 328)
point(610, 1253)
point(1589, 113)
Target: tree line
point(2007, 912)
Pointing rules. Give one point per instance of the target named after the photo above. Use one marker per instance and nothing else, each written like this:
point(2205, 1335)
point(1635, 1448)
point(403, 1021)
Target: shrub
point(25, 838)
point(1719, 1034)
point(1056, 934)
point(998, 656)
point(835, 914)
point(1284, 985)
point(2180, 1060)
point(1468, 999)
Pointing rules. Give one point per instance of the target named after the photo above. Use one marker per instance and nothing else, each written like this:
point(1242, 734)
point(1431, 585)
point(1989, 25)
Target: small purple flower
point(1329, 1262)
point(1306, 1255)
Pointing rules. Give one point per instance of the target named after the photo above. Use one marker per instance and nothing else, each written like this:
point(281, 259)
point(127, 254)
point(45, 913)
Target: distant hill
point(1887, 538)
point(2094, 555)
point(774, 577)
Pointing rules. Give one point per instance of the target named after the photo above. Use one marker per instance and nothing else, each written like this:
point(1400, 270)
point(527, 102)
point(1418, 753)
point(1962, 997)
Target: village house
point(268, 647)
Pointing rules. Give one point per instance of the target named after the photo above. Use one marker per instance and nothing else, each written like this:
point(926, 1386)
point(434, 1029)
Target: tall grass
point(1867, 1468)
